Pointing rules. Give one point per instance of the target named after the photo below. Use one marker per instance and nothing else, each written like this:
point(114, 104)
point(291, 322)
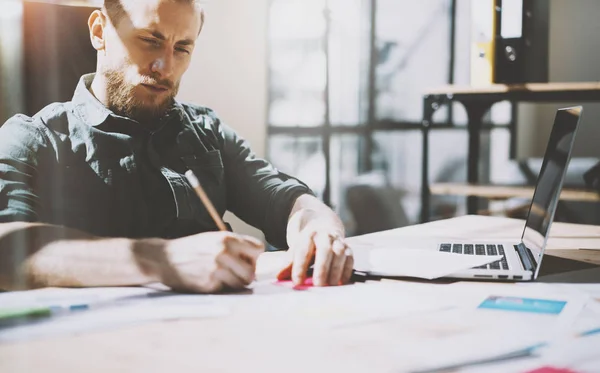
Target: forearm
point(310, 210)
point(37, 255)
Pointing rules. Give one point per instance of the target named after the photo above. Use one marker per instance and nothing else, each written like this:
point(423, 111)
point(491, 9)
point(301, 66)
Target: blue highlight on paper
point(540, 306)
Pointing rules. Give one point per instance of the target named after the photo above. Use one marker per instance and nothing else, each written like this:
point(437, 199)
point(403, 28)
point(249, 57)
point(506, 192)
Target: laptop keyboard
point(477, 249)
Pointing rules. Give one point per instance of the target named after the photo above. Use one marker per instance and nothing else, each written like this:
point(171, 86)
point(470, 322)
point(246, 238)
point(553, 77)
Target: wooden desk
point(477, 101)
point(525, 92)
point(257, 337)
point(501, 192)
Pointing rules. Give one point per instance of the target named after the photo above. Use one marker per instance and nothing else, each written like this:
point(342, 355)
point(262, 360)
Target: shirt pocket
point(209, 164)
point(208, 168)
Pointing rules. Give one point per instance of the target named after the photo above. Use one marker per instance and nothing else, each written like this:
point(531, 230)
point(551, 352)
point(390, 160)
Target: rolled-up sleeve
point(257, 192)
point(21, 146)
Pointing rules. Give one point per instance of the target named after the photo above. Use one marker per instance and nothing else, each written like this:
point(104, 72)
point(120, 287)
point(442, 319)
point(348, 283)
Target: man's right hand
point(209, 262)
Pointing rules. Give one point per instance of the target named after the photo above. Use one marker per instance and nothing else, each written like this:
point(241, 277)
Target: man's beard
point(122, 100)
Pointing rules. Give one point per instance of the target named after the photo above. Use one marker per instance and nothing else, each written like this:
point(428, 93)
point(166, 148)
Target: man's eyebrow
point(160, 36)
point(186, 42)
point(156, 34)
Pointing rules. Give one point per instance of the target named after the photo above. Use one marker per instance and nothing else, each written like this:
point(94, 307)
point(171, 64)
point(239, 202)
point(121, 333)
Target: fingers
point(239, 259)
point(207, 262)
point(348, 266)
point(242, 269)
point(303, 250)
point(285, 273)
point(255, 242)
point(338, 249)
point(244, 246)
point(224, 276)
point(323, 258)
point(333, 259)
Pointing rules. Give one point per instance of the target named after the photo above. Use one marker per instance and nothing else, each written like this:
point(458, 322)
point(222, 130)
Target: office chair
point(375, 205)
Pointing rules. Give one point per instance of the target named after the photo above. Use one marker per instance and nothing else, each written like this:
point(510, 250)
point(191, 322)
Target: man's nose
point(163, 66)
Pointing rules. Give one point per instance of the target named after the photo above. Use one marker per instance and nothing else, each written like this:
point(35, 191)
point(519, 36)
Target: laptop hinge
point(526, 257)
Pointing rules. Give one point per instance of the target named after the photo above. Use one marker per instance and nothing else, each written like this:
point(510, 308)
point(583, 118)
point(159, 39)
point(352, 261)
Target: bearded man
point(93, 193)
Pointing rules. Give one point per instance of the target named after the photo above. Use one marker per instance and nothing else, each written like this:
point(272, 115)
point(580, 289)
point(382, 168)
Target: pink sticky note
point(308, 283)
point(551, 370)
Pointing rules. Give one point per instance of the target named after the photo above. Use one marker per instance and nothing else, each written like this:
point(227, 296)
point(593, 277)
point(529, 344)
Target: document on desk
point(356, 305)
point(86, 310)
point(426, 264)
point(569, 355)
point(563, 305)
point(461, 337)
point(449, 355)
point(579, 353)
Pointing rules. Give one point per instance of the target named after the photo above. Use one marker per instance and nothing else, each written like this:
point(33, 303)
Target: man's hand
point(313, 236)
point(209, 262)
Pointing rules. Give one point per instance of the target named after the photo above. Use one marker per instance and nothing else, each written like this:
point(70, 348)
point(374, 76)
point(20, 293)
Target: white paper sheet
point(427, 264)
point(109, 308)
point(348, 306)
point(564, 322)
point(68, 296)
point(475, 347)
point(459, 336)
point(581, 354)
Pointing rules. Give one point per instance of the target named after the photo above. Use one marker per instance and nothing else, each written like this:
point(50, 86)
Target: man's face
point(147, 50)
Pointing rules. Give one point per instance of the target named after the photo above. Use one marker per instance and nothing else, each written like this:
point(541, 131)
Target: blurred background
point(331, 91)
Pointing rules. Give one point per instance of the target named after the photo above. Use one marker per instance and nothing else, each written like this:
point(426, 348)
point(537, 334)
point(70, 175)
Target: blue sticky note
point(550, 307)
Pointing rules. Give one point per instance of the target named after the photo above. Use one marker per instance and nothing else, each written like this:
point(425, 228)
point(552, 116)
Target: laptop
point(521, 259)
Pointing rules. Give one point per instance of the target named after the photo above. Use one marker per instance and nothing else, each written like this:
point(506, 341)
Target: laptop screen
point(550, 180)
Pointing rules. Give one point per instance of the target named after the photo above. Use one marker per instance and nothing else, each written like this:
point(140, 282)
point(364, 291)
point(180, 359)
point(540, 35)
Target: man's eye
point(182, 50)
point(152, 42)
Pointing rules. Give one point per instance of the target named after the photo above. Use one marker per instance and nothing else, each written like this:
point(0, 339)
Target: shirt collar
point(91, 110)
point(95, 113)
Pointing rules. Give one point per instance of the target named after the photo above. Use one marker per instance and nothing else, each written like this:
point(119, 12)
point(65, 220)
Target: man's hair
point(115, 10)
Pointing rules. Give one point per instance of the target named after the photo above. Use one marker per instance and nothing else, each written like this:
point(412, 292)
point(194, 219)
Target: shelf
point(477, 101)
point(501, 192)
point(567, 91)
point(505, 88)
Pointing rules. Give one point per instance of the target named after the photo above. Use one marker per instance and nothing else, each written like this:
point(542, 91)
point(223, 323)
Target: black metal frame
point(477, 104)
point(372, 124)
point(327, 120)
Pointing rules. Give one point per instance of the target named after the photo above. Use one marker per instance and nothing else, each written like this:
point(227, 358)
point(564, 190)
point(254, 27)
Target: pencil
point(204, 198)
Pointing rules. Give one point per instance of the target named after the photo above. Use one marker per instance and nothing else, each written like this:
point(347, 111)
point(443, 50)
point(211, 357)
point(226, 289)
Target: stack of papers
point(427, 264)
point(497, 325)
point(83, 310)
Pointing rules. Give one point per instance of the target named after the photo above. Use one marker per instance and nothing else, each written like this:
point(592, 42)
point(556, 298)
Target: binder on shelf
point(483, 28)
point(522, 41)
point(509, 41)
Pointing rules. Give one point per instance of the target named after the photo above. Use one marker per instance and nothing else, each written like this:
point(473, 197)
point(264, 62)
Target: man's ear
point(202, 15)
point(96, 24)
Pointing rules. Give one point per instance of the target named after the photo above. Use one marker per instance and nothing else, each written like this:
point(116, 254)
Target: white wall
point(229, 72)
point(574, 49)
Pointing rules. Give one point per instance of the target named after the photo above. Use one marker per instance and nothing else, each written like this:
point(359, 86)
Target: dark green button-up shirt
point(79, 165)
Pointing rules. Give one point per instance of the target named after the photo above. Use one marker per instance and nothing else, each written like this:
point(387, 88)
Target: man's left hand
point(319, 241)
